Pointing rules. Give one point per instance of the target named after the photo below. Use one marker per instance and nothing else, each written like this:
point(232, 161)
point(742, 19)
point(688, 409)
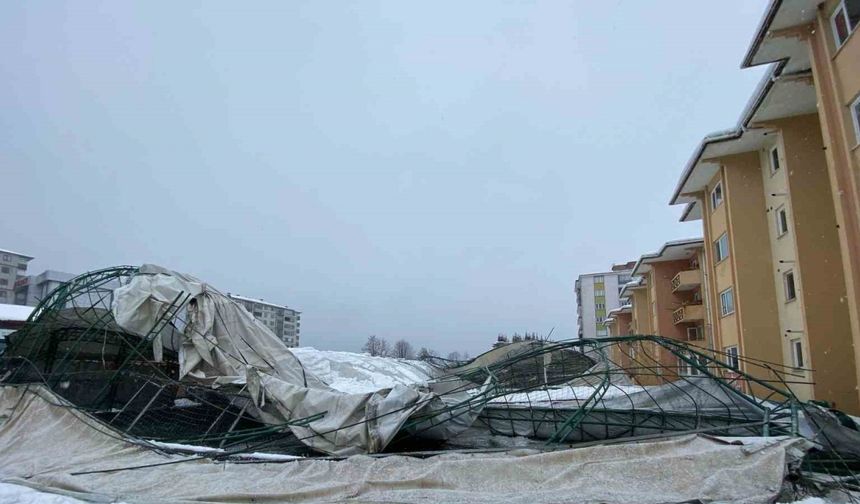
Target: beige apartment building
point(777, 197)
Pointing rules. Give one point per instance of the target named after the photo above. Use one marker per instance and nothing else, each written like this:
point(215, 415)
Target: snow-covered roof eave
point(14, 313)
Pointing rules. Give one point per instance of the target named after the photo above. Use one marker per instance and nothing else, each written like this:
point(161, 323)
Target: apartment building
point(30, 290)
point(817, 41)
point(596, 295)
point(776, 196)
point(12, 266)
point(284, 321)
point(665, 298)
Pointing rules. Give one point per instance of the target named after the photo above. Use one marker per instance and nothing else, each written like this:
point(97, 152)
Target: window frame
point(716, 204)
point(797, 351)
point(781, 227)
point(855, 117)
point(785, 276)
point(723, 312)
point(733, 357)
point(721, 257)
point(841, 8)
point(698, 332)
point(773, 159)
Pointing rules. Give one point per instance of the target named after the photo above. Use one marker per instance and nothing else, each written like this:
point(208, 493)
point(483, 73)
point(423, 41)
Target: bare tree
point(466, 356)
point(455, 356)
point(426, 353)
point(375, 346)
point(402, 350)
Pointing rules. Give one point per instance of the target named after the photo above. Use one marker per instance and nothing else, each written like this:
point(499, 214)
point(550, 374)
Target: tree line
point(402, 349)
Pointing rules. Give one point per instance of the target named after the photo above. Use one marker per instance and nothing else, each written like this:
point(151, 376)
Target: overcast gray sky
point(437, 171)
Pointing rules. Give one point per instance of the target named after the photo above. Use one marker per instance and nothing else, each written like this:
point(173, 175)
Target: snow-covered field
point(358, 373)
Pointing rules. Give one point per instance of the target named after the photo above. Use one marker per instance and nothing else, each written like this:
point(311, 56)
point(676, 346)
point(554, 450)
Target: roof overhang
point(692, 212)
point(631, 286)
point(778, 95)
point(781, 35)
point(670, 251)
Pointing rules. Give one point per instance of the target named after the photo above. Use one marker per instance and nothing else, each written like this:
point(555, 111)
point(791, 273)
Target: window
point(781, 221)
point(774, 160)
point(732, 357)
point(3, 281)
point(721, 248)
point(4, 269)
point(598, 279)
point(716, 196)
point(600, 306)
point(694, 333)
point(727, 302)
point(855, 114)
point(599, 293)
point(790, 289)
point(601, 332)
point(600, 319)
point(844, 20)
point(691, 369)
point(6, 257)
point(797, 353)
point(22, 266)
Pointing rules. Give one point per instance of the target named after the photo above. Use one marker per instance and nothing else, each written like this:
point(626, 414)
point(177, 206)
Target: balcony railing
point(687, 280)
point(688, 313)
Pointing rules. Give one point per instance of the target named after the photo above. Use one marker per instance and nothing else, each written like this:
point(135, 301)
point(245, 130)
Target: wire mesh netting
point(537, 393)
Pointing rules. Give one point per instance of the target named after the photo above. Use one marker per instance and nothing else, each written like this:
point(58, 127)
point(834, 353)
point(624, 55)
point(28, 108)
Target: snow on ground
point(14, 313)
point(183, 447)
point(359, 373)
point(565, 394)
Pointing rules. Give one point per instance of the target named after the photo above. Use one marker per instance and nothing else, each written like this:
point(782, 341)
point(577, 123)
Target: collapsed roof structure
point(166, 361)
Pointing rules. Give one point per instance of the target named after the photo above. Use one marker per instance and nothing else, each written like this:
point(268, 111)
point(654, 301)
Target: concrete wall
point(837, 81)
point(756, 314)
point(823, 312)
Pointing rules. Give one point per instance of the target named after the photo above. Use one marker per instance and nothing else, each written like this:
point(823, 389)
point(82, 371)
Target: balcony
point(688, 314)
point(687, 280)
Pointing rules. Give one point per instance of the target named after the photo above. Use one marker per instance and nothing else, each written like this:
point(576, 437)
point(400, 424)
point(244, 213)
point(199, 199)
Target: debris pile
point(165, 361)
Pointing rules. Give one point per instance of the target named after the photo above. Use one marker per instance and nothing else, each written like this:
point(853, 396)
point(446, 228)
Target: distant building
point(12, 267)
point(12, 318)
point(596, 295)
point(283, 321)
point(30, 290)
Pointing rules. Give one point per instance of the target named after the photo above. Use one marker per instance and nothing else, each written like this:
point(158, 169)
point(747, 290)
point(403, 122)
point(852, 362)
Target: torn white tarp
point(222, 343)
point(97, 465)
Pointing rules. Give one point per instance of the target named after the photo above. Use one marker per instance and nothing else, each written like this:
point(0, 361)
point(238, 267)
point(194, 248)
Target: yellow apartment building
point(817, 41)
point(778, 254)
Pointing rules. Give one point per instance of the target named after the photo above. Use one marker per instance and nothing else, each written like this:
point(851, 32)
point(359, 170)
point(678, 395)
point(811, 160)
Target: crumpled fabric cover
point(223, 343)
point(34, 423)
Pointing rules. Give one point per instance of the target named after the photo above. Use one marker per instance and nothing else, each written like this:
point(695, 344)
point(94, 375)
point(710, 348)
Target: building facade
point(665, 298)
point(12, 267)
point(596, 295)
point(284, 321)
point(30, 290)
point(777, 196)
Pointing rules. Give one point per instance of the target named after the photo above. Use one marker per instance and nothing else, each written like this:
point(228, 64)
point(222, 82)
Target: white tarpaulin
point(49, 446)
point(223, 343)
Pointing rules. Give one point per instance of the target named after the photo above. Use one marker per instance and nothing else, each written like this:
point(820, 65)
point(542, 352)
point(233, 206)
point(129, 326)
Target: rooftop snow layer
point(15, 313)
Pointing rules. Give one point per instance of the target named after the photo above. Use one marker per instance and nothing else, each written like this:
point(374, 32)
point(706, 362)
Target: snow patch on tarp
point(359, 373)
